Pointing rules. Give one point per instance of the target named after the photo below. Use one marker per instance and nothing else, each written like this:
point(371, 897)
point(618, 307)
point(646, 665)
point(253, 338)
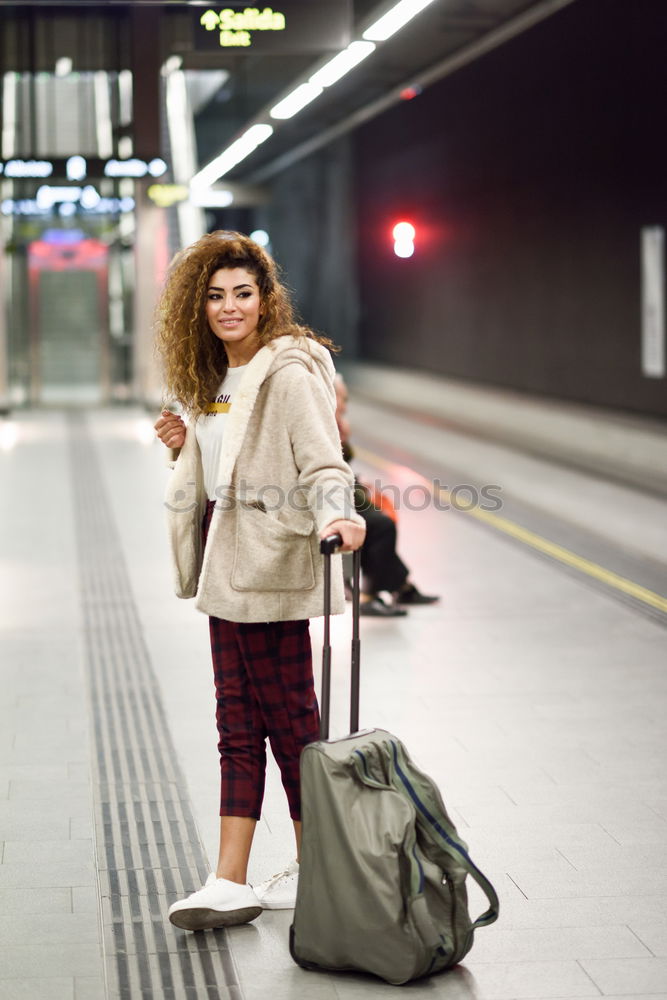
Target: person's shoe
point(279, 891)
point(377, 608)
point(219, 903)
point(408, 594)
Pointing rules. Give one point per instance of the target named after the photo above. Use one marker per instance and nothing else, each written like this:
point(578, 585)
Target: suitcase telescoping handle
point(328, 546)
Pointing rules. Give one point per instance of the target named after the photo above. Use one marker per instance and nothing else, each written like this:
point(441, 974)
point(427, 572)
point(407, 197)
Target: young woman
point(258, 480)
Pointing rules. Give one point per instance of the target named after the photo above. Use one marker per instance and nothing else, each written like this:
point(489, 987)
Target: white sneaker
point(220, 903)
point(279, 891)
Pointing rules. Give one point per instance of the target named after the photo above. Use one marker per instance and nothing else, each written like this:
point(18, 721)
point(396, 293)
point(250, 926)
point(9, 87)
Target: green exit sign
point(236, 28)
point(291, 26)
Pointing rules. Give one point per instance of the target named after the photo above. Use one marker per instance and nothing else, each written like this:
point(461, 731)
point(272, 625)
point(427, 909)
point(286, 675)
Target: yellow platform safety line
point(531, 538)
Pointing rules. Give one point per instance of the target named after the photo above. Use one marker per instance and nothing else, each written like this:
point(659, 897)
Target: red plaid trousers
point(264, 687)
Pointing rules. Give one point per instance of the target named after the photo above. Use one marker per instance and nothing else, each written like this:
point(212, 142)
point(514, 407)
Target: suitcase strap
point(444, 835)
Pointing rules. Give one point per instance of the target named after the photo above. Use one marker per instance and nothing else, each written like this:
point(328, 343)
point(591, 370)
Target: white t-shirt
point(210, 427)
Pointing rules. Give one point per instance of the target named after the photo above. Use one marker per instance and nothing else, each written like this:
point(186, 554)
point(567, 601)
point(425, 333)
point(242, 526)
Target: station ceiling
point(246, 84)
point(444, 36)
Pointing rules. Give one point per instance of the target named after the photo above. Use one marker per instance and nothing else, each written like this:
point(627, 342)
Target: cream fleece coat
point(281, 480)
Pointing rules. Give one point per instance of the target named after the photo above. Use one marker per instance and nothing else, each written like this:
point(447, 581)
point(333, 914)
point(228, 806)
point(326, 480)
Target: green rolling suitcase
point(382, 880)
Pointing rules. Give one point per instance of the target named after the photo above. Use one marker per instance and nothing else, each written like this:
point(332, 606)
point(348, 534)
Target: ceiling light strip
point(294, 102)
point(183, 161)
point(395, 19)
point(438, 71)
point(222, 164)
point(342, 63)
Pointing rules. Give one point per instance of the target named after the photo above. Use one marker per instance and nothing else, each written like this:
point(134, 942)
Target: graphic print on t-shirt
point(221, 404)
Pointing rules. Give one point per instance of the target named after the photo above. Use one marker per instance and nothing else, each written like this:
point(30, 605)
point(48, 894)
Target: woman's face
point(233, 307)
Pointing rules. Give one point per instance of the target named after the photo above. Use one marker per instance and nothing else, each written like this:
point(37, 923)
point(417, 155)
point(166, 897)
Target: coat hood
point(304, 351)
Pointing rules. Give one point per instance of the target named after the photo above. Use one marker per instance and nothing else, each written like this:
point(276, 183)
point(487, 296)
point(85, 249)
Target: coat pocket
point(271, 555)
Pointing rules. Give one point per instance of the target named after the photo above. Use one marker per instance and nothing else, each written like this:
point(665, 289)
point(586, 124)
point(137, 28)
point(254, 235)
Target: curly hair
point(194, 360)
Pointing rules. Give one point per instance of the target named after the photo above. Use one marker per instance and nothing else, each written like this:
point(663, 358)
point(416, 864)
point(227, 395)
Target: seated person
point(383, 569)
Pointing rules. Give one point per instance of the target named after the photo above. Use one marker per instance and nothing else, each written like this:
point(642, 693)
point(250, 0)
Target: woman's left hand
point(353, 534)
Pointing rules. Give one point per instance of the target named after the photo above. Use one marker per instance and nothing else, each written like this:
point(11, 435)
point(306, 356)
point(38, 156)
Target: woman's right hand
point(170, 429)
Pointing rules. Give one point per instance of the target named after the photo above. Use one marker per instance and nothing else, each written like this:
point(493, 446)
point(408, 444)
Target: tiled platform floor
point(536, 699)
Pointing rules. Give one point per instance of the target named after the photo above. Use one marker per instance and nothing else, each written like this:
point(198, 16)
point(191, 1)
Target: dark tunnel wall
point(311, 221)
point(528, 176)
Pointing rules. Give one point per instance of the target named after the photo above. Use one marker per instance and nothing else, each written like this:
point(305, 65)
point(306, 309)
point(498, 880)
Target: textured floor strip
point(149, 851)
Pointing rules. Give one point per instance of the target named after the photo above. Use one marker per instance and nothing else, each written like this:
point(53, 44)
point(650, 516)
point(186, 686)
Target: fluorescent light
point(48, 196)
point(222, 164)
point(184, 162)
point(394, 19)
point(9, 98)
point(126, 168)
point(342, 63)
point(76, 168)
point(171, 64)
point(63, 66)
point(125, 97)
point(157, 167)
point(90, 197)
point(324, 77)
point(261, 237)
point(297, 100)
point(103, 114)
